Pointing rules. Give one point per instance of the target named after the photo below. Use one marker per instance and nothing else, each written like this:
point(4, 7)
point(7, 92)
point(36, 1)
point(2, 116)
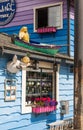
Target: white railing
point(62, 124)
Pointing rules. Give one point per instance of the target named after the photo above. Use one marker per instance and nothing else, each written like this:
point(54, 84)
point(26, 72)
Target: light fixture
point(36, 64)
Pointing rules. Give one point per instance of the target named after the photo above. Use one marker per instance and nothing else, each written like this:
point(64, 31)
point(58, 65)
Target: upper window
point(48, 16)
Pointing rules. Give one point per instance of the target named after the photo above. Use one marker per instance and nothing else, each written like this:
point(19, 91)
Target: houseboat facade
point(27, 90)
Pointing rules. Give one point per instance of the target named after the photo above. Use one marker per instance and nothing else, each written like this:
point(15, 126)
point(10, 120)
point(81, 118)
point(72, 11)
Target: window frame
point(50, 5)
point(28, 109)
point(25, 109)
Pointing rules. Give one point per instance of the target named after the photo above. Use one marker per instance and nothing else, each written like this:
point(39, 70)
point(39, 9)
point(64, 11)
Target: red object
point(43, 109)
point(46, 30)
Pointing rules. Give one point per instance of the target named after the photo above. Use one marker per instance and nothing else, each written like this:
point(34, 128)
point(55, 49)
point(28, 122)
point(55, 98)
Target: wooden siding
point(24, 11)
point(72, 28)
point(10, 112)
point(24, 17)
point(66, 87)
point(58, 38)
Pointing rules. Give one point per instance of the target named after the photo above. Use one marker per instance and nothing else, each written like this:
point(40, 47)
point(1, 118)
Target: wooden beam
point(78, 59)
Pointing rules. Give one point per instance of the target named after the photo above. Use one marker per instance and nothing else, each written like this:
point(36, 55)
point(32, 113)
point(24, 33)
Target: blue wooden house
point(48, 75)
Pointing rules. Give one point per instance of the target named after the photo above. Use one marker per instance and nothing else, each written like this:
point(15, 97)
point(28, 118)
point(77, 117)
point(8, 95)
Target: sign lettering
point(7, 11)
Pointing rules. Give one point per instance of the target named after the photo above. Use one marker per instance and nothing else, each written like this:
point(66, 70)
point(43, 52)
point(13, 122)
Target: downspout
point(56, 70)
point(57, 83)
point(78, 63)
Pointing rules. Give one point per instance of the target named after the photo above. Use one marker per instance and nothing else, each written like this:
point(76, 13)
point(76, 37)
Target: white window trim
point(28, 109)
point(57, 84)
point(59, 3)
point(25, 109)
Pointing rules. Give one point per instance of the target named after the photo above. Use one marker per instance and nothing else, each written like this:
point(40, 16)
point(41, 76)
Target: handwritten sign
point(7, 11)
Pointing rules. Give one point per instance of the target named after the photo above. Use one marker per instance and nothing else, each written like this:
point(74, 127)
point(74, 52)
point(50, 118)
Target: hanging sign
point(7, 11)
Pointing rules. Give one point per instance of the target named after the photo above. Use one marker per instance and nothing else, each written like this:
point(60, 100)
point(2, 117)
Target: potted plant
point(43, 105)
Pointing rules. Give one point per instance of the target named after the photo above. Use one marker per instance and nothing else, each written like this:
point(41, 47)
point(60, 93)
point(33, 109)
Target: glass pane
point(8, 92)
point(42, 17)
point(32, 85)
point(13, 92)
point(46, 84)
point(54, 16)
point(38, 84)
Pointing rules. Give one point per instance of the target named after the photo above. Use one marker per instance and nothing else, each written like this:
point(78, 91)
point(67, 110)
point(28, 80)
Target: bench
point(61, 124)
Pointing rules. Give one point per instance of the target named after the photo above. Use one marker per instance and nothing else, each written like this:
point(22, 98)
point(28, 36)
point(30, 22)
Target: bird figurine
point(26, 60)
point(24, 35)
point(13, 66)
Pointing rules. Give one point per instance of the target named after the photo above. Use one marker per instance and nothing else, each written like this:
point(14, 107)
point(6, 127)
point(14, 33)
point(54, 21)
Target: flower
point(44, 101)
point(53, 102)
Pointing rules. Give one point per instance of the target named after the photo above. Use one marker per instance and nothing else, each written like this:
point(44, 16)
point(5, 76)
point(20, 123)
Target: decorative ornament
point(26, 60)
point(14, 65)
point(23, 34)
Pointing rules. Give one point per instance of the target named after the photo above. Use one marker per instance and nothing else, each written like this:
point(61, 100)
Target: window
point(48, 16)
point(37, 83)
point(10, 89)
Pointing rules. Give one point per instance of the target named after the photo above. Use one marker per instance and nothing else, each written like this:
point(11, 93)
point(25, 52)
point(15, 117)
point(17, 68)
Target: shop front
point(31, 96)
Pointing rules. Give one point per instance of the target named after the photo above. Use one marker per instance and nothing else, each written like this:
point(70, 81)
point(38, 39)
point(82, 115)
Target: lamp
point(36, 64)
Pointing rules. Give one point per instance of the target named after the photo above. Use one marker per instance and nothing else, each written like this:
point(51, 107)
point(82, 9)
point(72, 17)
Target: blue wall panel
point(72, 37)
point(60, 37)
point(10, 112)
point(66, 82)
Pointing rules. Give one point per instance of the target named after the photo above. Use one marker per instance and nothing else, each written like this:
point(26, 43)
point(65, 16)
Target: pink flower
point(48, 99)
point(45, 101)
point(37, 99)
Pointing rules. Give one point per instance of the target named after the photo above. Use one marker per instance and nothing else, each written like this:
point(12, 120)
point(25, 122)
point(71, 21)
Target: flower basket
point(44, 109)
point(46, 30)
point(43, 105)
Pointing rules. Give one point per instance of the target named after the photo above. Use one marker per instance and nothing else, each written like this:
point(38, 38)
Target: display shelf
point(38, 84)
point(33, 94)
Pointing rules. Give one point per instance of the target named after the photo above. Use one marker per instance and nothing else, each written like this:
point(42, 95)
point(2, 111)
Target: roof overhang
point(7, 47)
